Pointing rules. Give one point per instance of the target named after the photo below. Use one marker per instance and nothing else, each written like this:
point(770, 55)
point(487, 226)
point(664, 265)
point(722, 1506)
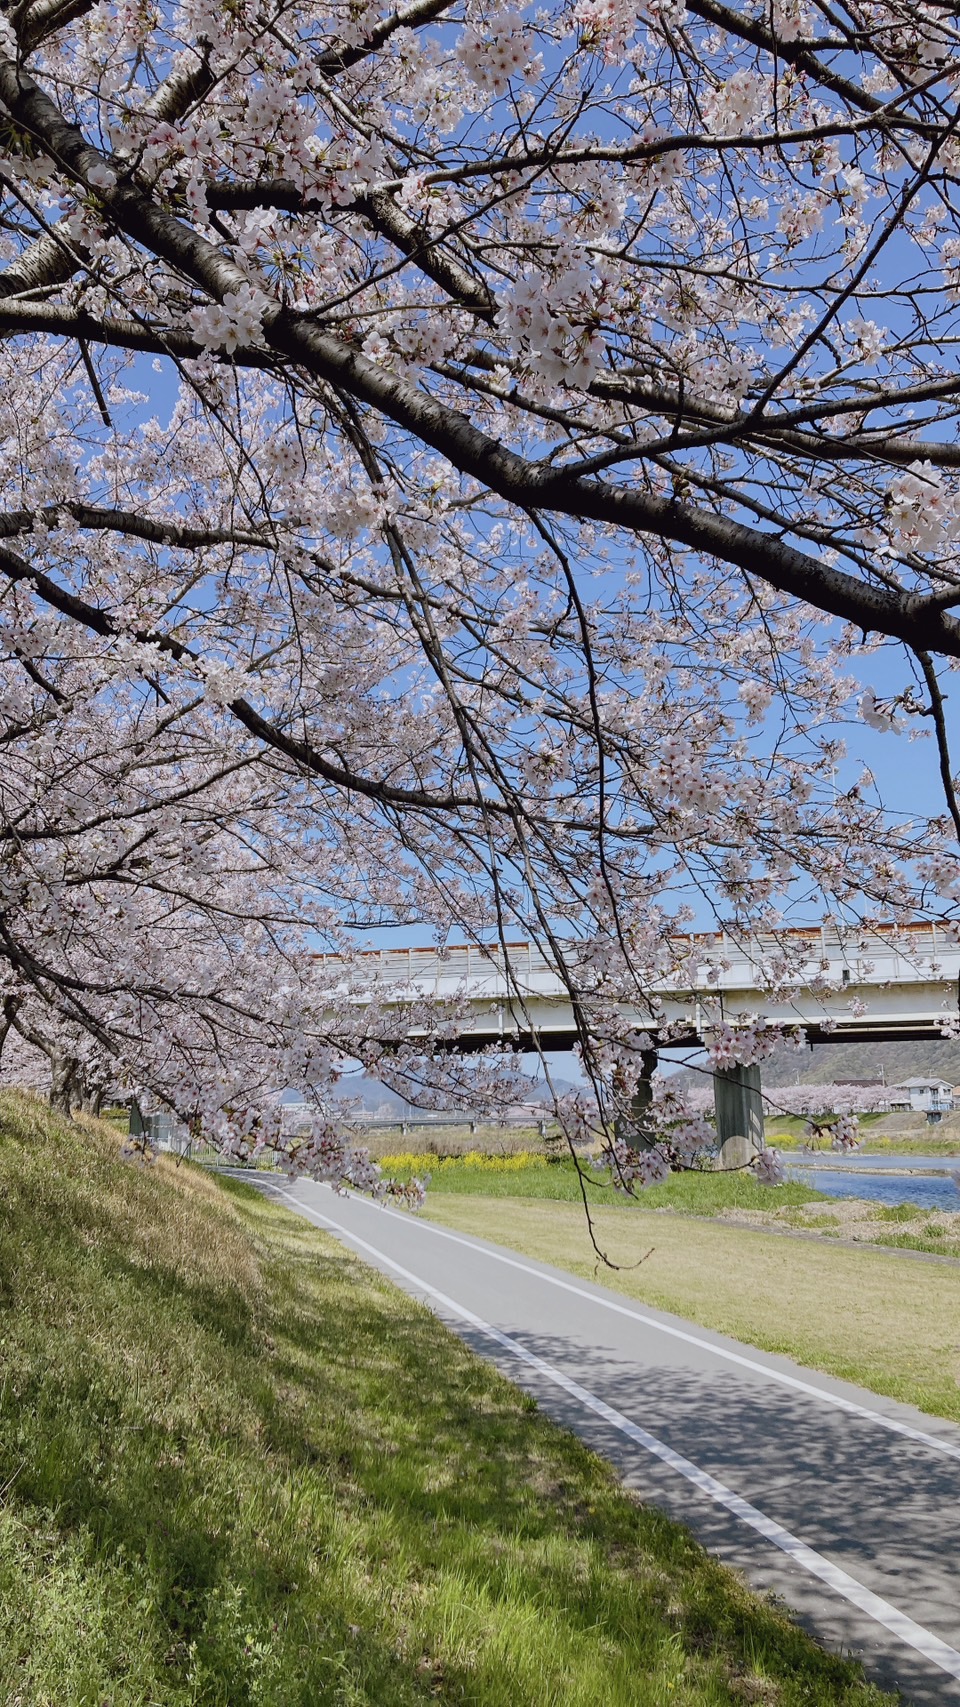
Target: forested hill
point(828, 1062)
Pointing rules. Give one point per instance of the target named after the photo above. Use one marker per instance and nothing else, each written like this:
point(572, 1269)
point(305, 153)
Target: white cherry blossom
point(556, 410)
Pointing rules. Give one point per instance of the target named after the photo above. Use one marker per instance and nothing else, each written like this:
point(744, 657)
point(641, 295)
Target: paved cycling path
point(844, 1504)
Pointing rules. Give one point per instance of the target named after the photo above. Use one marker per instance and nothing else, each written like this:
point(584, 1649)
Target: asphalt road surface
point(845, 1505)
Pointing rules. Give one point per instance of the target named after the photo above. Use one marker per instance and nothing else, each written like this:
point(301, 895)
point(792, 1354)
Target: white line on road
point(898, 1623)
point(850, 1406)
point(771, 1374)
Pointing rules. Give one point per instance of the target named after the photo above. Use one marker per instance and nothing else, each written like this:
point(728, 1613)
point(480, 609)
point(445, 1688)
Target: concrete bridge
point(878, 985)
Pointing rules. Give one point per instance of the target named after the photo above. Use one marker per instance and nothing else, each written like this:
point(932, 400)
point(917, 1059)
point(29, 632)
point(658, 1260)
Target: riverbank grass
point(239, 1469)
point(737, 1196)
point(536, 1176)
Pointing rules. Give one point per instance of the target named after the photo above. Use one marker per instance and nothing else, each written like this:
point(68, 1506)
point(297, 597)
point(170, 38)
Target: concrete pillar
point(633, 1126)
point(739, 1105)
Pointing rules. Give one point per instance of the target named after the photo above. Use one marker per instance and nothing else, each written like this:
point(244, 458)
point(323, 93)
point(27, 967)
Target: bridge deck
point(878, 985)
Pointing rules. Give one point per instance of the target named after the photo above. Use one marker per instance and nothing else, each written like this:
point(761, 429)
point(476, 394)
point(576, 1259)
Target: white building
point(923, 1096)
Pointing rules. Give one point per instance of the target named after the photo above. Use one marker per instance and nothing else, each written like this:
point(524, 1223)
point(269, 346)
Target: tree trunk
point(63, 1082)
point(91, 1101)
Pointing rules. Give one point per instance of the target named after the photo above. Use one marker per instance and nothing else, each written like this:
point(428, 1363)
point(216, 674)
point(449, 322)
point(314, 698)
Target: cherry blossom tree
point(832, 1111)
point(460, 467)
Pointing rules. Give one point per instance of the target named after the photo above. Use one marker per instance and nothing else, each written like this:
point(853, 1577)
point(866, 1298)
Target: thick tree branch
point(128, 522)
point(474, 453)
point(404, 18)
point(943, 741)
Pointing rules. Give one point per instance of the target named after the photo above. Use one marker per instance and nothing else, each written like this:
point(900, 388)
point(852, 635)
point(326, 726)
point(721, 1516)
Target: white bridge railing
point(880, 983)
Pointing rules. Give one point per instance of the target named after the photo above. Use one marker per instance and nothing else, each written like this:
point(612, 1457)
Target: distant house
point(923, 1096)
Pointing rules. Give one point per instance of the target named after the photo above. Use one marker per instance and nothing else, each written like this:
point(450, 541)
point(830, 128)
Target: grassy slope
point(238, 1468)
point(885, 1321)
point(903, 1145)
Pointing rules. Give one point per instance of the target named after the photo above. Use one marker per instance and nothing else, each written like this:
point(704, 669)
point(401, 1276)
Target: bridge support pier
point(634, 1126)
point(739, 1107)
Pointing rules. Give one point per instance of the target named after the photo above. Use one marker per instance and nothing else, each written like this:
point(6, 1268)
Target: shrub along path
point(237, 1467)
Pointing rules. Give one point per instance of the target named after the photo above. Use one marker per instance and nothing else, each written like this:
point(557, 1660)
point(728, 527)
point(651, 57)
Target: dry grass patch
point(904, 1226)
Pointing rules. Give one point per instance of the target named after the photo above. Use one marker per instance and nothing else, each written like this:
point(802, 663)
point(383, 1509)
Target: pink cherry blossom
point(459, 470)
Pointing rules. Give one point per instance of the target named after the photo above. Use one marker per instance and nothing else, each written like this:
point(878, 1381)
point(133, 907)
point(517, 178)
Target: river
point(860, 1176)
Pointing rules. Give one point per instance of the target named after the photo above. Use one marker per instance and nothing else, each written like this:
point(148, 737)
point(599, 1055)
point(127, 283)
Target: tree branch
point(98, 621)
point(940, 728)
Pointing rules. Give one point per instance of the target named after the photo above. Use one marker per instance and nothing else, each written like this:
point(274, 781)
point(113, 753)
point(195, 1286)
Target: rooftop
point(922, 1085)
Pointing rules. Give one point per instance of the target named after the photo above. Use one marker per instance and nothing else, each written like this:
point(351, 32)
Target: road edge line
point(852, 1408)
point(897, 1623)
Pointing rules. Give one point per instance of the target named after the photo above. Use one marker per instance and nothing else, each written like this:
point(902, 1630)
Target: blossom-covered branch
point(459, 465)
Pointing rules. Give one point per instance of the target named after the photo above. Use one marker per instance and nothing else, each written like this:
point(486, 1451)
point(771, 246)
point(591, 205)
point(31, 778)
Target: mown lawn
point(239, 1468)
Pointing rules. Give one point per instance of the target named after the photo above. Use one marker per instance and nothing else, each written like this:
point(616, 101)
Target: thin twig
point(943, 745)
point(95, 386)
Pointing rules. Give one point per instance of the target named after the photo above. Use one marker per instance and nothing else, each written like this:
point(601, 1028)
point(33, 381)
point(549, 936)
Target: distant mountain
point(538, 1091)
point(377, 1099)
point(826, 1063)
point(894, 1062)
point(374, 1098)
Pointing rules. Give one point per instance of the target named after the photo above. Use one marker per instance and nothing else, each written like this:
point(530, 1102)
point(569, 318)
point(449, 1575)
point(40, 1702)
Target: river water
point(859, 1177)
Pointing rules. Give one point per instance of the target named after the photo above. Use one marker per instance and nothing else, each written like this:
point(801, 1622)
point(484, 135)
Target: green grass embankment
point(238, 1469)
point(934, 1145)
point(789, 1132)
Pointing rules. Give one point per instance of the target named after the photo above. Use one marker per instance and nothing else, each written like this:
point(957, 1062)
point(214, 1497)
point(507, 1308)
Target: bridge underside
point(889, 987)
point(876, 1031)
point(738, 1096)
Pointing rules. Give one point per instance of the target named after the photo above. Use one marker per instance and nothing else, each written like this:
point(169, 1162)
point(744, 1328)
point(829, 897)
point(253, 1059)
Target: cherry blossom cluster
point(236, 321)
point(751, 1040)
point(459, 468)
point(768, 1167)
point(630, 1167)
point(844, 1133)
point(924, 510)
